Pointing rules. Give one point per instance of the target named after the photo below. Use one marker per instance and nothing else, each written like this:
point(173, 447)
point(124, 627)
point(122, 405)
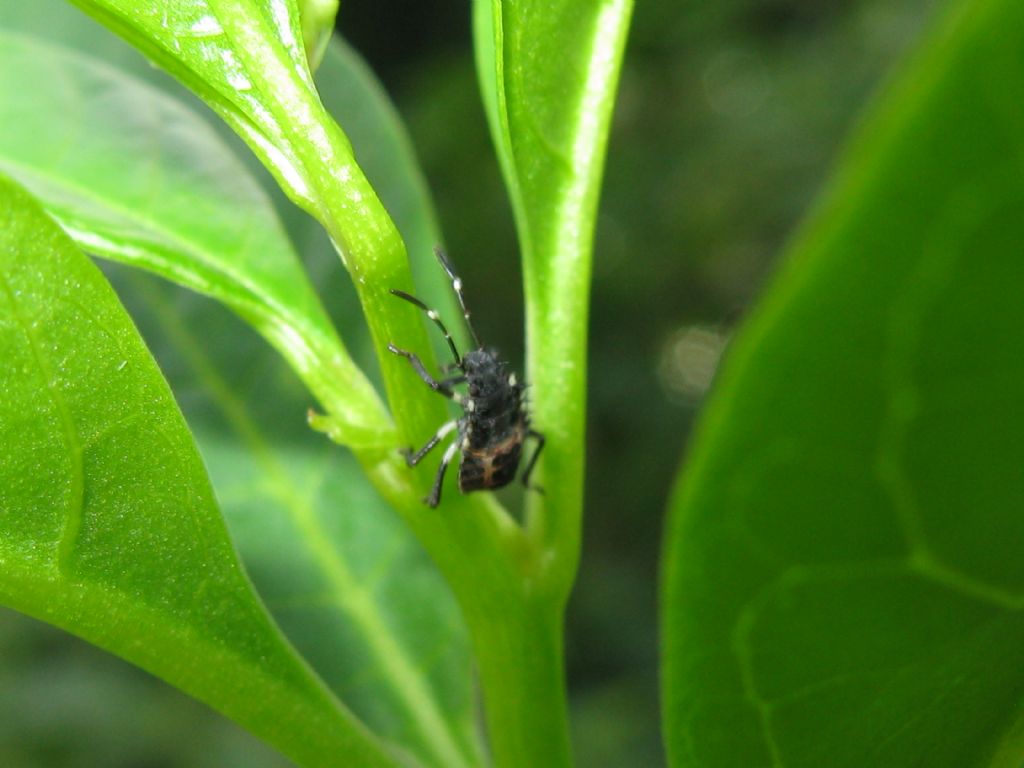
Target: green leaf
point(136, 176)
point(349, 584)
point(548, 72)
point(844, 570)
point(108, 526)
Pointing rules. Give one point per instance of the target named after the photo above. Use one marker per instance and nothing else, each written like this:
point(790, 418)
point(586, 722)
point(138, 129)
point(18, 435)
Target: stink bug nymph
point(494, 423)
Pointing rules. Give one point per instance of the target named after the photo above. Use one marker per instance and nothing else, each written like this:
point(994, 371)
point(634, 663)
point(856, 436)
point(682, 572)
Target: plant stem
point(519, 651)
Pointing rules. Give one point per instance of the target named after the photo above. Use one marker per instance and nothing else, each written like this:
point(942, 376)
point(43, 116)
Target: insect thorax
point(494, 408)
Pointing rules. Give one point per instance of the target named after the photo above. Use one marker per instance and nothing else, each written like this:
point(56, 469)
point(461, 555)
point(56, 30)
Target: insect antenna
point(457, 287)
point(437, 321)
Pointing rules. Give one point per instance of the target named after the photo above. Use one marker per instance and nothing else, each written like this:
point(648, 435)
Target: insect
point(495, 422)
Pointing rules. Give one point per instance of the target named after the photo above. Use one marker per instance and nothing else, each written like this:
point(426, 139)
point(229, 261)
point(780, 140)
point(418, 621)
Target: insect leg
point(457, 287)
point(539, 436)
point(444, 387)
point(412, 459)
point(437, 321)
point(435, 494)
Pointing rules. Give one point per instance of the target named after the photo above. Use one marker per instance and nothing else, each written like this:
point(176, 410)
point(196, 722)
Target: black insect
point(495, 422)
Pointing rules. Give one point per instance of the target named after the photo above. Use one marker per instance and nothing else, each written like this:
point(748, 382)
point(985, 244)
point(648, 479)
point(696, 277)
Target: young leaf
point(548, 73)
point(844, 572)
point(149, 183)
point(108, 526)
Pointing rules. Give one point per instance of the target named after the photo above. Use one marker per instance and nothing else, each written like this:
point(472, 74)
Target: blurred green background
point(730, 114)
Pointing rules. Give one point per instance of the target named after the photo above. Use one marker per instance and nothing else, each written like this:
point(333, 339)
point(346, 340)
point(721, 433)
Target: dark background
point(730, 115)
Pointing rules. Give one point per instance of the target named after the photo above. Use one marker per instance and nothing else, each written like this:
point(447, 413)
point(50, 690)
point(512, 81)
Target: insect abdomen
point(493, 467)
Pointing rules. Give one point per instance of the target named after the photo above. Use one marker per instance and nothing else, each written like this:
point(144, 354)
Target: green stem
point(514, 610)
point(519, 651)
